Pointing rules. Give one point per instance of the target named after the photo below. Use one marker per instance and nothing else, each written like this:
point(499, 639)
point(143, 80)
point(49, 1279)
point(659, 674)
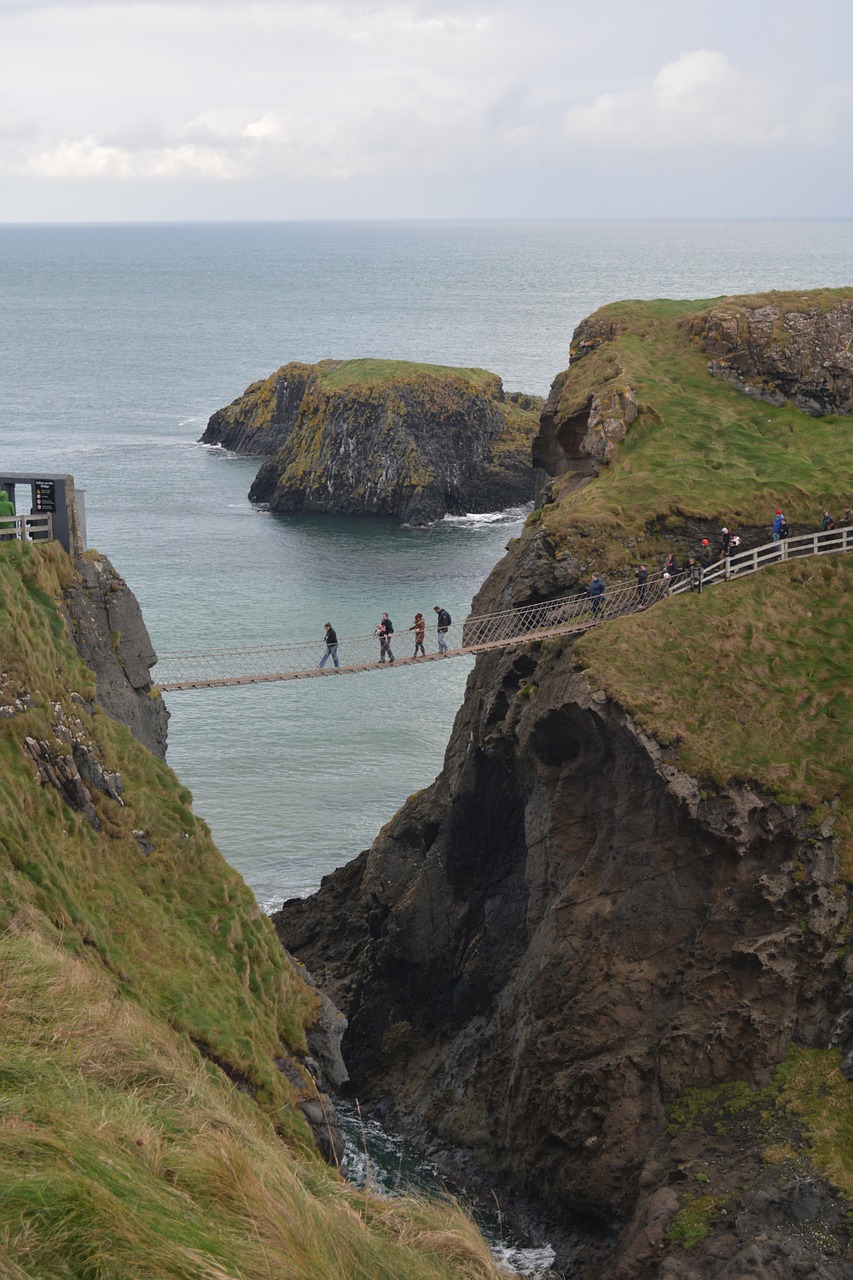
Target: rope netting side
point(568, 614)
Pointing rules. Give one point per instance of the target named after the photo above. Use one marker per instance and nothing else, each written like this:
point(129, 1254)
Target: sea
point(117, 343)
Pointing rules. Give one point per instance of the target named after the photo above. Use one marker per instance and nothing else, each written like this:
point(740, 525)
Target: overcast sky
point(438, 108)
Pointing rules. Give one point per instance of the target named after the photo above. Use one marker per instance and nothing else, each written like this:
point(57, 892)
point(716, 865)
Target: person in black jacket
point(331, 642)
point(642, 583)
point(596, 594)
point(444, 621)
point(385, 630)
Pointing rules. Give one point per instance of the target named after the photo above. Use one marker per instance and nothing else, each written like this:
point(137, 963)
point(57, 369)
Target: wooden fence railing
point(33, 528)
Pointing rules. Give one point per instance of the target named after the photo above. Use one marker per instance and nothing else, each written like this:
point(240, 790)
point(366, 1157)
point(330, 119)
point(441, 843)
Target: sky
point(303, 109)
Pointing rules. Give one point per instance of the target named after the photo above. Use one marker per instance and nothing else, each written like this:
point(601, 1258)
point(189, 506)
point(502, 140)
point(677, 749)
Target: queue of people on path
point(383, 632)
point(694, 566)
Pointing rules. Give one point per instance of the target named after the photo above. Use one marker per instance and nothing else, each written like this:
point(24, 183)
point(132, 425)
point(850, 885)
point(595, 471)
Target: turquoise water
point(385, 1163)
point(118, 342)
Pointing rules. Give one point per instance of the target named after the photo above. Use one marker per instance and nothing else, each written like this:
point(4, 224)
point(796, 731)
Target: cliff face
point(112, 639)
point(384, 438)
point(542, 953)
point(781, 347)
point(606, 953)
point(260, 420)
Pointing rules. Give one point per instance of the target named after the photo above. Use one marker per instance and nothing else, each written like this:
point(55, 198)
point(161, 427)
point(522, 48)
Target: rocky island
point(384, 437)
point(605, 960)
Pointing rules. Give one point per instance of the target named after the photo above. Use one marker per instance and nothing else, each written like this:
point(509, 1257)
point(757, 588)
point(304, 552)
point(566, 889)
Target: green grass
point(748, 1139)
point(699, 447)
point(804, 1113)
point(693, 1222)
point(340, 376)
point(811, 1084)
point(750, 681)
point(125, 1153)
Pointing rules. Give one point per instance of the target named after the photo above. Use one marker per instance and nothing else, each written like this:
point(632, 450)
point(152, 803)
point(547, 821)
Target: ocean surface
point(118, 342)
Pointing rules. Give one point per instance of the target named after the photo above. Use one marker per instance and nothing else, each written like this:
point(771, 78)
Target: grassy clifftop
point(150, 1024)
point(752, 681)
point(690, 445)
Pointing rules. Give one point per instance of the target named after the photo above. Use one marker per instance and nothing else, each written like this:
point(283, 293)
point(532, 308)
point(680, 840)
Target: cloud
point(398, 96)
point(87, 158)
point(700, 99)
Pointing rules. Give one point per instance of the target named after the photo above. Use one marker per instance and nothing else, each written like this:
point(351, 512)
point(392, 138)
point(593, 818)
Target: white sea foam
point(510, 516)
point(532, 1263)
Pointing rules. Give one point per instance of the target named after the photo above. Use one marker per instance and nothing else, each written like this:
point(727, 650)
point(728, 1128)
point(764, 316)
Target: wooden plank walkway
point(313, 673)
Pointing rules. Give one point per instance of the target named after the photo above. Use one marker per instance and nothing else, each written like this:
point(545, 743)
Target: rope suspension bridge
point(221, 668)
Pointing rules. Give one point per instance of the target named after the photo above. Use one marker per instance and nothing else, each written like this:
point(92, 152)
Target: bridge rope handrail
point(214, 667)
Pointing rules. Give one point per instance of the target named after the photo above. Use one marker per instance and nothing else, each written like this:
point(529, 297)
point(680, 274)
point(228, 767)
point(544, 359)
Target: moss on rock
point(384, 437)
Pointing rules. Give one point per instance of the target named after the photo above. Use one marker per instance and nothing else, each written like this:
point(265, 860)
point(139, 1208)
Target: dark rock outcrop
point(778, 348)
point(367, 437)
point(525, 990)
point(260, 420)
point(111, 637)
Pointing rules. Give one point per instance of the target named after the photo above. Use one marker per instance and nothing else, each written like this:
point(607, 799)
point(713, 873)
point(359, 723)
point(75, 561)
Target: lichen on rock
point(384, 438)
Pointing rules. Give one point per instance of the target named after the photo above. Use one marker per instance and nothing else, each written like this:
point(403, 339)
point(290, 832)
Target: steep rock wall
point(781, 349)
point(544, 950)
point(111, 637)
point(384, 438)
point(260, 420)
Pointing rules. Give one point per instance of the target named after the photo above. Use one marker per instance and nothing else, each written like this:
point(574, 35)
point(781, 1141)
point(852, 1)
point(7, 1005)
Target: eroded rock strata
point(370, 437)
point(777, 347)
point(111, 637)
point(616, 983)
point(544, 950)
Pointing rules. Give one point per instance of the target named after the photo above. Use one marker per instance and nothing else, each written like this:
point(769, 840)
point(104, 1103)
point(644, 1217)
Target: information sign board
point(44, 495)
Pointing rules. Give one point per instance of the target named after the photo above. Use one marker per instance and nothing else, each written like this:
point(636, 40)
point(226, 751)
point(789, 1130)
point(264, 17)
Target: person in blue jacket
point(596, 594)
point(777, 526)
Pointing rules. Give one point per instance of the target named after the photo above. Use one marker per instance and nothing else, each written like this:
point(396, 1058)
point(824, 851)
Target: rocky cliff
point(780, 347)
point(111, 637)
point(606, 954)
point(384, 438)
point(262, 419)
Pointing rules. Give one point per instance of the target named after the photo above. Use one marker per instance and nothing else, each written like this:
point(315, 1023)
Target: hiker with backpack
point(444, 621)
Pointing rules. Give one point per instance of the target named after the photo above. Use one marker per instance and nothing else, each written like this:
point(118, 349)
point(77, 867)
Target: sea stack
point(386, 438)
